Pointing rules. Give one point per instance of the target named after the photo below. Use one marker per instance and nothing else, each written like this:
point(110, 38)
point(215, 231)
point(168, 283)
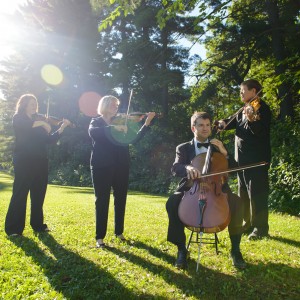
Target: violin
point(250, 109)
point(120, 118)
point(54, 121)
point(204, 207)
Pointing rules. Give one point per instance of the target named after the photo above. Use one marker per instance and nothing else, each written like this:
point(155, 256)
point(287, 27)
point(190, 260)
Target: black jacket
point(111, 147)
point(252, 139)
point(30, 143)
point(185, 153)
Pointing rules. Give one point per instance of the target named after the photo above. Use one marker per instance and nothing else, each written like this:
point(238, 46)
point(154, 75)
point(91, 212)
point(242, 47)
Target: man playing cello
point(185, 153)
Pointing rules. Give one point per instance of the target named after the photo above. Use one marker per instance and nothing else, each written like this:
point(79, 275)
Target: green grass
point(65, 264)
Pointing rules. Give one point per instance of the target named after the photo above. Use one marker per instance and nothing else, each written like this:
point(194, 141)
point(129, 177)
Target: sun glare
point(8, 30)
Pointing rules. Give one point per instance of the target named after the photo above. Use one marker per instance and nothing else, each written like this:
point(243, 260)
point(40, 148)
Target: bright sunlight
point(8, 29)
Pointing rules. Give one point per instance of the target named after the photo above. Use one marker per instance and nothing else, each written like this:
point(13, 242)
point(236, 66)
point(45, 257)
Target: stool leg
point(199, 246)
point(190, 239)
point(216, 243)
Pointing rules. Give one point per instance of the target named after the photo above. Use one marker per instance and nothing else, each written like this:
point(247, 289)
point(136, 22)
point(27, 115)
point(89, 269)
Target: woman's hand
point(150, 116)
point(43, 124)
point(122, 128)
point(64, 124)
point(220, 146)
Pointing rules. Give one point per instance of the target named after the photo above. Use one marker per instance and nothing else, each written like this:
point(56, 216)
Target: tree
point(61, 34)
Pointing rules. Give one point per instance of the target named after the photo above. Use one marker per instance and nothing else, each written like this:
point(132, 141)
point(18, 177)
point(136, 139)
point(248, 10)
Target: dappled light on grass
point(65, 264)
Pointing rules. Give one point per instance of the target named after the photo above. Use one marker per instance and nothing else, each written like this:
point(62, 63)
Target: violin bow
point(129, 102)
point(47, 112)
point(263, 163)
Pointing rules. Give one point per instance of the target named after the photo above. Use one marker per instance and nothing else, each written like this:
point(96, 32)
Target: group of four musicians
point(110, 169)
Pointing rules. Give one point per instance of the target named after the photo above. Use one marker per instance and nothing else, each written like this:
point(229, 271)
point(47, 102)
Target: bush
point(284, 174)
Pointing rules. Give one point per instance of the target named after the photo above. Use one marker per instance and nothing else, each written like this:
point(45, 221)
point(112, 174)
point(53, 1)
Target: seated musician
point(201, 127)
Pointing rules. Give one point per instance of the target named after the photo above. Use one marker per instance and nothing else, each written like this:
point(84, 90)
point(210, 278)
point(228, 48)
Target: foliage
point(284, 173)
point(64, 264)
point(138, 52)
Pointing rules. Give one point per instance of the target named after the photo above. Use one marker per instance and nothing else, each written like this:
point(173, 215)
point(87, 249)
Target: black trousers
point(254, 190)
point(31, 175)
point(176, 234)
point(115, 177)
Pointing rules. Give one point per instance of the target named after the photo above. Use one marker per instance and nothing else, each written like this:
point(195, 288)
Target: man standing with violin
point(252, 145)
point(182, 167)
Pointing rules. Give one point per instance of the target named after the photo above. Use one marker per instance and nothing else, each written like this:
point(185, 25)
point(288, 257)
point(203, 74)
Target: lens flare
point(51, 74)
point(88, 103)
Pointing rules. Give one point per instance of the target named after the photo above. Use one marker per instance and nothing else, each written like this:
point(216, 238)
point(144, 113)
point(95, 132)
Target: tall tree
point(61, 34)
point(148, 55)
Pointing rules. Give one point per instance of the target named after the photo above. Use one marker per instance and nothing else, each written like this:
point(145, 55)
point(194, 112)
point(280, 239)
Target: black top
point(185, 153)
point(111, 147)
point(252, 139)
point(30, 143)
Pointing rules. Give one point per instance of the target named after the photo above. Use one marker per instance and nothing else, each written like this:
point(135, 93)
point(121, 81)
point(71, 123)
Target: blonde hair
point(105, 102)
point(23, 103)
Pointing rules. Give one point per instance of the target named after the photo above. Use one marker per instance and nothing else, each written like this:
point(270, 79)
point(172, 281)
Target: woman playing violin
point(30, 166)
point(185, 153)
point(110, 164)
point(252, 145)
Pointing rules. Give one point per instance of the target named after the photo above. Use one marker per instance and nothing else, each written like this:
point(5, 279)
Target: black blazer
point(110, 147)
point(252, 139)
point(30, 143)
point(185, 153)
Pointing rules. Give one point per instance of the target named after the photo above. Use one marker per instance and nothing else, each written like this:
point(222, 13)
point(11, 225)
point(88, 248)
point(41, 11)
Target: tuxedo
point(185, 153)
point(252, 145)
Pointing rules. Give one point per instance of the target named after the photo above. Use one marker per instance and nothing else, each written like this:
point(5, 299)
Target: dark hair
point(200, 115)
point(253, 84)
point(23, 102)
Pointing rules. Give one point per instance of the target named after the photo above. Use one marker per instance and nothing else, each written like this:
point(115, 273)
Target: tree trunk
point(286, 106)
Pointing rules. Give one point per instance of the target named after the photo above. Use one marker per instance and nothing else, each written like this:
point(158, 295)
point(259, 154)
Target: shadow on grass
point(76, 277)
point(262, 281)
point(70, 274)
point(6, 181)
point(73, 190)
point(285, 240)
point(189, 282)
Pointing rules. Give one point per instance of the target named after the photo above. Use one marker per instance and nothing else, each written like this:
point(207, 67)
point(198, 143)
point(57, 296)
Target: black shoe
point(121, 237)
point(238, 260)
point(15, 235)
point(247, 229)
point(100, 244)
point(255, 235)
point(45, 228)
point(181, 261)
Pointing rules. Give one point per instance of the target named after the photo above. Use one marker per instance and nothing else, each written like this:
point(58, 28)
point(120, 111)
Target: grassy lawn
point(64, 264)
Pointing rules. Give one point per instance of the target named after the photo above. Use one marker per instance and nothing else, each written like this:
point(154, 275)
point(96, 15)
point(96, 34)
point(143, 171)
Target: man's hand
point(220, 146)
point(192, 172)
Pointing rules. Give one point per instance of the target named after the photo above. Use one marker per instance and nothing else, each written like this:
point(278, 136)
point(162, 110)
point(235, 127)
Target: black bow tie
point(199, 145)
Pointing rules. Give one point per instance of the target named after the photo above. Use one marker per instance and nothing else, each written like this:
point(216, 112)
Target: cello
point(204, 207)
